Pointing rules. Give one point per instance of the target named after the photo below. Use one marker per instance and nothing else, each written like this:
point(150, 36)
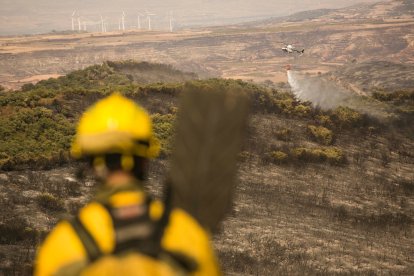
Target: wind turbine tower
point(73, 20)
point(79, 23)
point(171, 20)
point(149, 20)
point(123, 21)
point(103, 27)
point(139, 21)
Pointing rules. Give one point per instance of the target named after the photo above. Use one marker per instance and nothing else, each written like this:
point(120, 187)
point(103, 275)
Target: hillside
point(367, 77)
point(331, 38)
point(364, 32)
point(399, 9)
point(320, 193)
point(37, 122)
point(383, 10)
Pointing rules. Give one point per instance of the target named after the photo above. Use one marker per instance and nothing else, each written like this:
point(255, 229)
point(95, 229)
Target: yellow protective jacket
point(183, 241)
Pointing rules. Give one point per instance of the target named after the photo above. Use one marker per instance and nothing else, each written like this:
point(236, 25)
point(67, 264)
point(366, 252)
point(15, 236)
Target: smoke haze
point(320, 92)
point(328, 95)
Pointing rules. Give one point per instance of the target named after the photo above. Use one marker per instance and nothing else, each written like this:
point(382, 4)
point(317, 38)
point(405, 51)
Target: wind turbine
point(103, 24)
point(123, 21)
point(73, 20)
point(149, 20)
point(139, 20)
point(171, 20)
point(79, 23)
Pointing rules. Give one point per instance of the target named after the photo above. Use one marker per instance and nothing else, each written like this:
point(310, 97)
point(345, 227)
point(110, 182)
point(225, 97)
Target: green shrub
point(27, 87)
point(286, 106)
point(38, 121)
point(397, 96)
point(279, 157)
point(302, 110)
point(34, 134)
point(321, 134)
point(4, 157)
point(334, 155)
point(244, 156)
point(324, 120)
point(331, 155)
point(382, 96)
point(272, 101)
point(347, 117)
point(48, 202)
point(164, 130)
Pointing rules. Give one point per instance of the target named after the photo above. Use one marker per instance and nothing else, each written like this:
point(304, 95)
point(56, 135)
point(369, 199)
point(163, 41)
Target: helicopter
point(291, 49)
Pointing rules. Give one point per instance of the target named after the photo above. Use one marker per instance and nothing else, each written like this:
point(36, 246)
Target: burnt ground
point(295, 218)
point(369, 76)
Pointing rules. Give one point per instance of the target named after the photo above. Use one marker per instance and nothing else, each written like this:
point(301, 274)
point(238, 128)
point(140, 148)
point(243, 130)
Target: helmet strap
point(127, 162)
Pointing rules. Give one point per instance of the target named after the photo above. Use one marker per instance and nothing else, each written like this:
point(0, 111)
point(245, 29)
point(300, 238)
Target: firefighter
point(123, 231)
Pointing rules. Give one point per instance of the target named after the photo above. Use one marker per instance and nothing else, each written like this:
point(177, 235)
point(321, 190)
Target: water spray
point(326, 94)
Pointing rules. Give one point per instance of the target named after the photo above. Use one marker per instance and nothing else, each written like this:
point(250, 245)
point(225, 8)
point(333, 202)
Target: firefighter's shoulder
point(185, 235)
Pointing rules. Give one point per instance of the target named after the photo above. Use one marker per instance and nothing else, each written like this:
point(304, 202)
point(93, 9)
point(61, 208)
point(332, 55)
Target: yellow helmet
point(115, 124)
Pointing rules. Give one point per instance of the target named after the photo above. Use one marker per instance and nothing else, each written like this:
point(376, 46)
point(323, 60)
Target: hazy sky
point(36, 16)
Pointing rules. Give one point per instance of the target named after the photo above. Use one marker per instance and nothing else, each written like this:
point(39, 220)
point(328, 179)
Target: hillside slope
point(320, 192)
point(384, 10)
point(375, 75)
point(379, 32)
